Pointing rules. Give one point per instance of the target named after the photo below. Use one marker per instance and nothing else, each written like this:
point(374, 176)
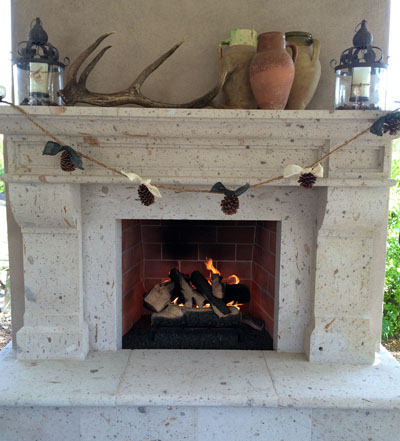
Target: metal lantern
point(37, 70)
point(360, 74)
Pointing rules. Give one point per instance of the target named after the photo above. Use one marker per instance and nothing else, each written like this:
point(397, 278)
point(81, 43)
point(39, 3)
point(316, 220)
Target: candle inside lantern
point(38, 78)
point(360, 84)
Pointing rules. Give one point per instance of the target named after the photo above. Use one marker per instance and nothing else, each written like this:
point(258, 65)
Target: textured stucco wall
point(146, 28)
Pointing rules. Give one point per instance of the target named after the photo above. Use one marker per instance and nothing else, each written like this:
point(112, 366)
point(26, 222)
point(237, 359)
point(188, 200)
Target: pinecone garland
point(230, 204)
point(66, 163)
point(392, 125)
point(145, 196)
point(307, 180)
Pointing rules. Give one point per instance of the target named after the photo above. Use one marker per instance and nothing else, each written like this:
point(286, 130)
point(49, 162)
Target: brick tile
point(272, 243)
point(150, 222)
point(131, 312)
point(125, 223)
point(135, 275)
point(246, 223)
point(271, 225)
point(126, 261)
point(125, 289)
point(267, 303)
point(160, 234)
point(137, 253)
point(199, 234)
point(152, 251)
point(161, 268)
point(124, 240)
point(258, 255)
point(244, 251)
point(179, 251)
point(260, 276)
point(188, 266)
point(217, 252)
point(269, 324)
point(271, 286)
point(235, 235)
point(269, 263)
point(241, 269)
point(132, 235)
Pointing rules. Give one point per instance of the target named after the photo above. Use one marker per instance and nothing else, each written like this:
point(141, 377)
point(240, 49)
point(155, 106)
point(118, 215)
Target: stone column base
point(44, 343)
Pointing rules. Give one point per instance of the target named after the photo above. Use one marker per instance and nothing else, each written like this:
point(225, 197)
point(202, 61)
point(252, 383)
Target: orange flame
point(210, 266)
point(233, 280)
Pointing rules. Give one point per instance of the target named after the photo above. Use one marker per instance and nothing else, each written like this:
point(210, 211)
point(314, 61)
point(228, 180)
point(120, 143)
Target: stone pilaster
point(345, 276)
point(50, 221)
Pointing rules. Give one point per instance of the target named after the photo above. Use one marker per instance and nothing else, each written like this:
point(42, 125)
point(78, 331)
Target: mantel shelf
point(196, 146)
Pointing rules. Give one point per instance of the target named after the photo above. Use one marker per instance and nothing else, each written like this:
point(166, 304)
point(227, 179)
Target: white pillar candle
point(360, 83)
point(38, 77)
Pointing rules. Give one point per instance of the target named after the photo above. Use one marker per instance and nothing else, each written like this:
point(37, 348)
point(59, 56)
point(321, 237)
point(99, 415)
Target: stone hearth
point(329, 282)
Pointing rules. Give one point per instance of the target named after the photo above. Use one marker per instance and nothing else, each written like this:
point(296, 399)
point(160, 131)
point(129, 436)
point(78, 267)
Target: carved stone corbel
point(49, 217)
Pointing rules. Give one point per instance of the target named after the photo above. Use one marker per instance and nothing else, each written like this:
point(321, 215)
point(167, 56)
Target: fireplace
point(327, 303)
point(83, 288)
point(244, 252)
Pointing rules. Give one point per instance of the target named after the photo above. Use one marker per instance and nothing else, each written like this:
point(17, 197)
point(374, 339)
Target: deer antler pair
point(75, 91)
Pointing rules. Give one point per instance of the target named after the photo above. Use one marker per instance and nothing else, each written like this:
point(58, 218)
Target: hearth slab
point(199, 378)
point(92, 382)
point(334, 385)
point(198, 396)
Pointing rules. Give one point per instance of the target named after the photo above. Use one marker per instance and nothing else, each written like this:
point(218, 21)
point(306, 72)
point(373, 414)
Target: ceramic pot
point(272, 71)
point(242, 47)
point(308, 70)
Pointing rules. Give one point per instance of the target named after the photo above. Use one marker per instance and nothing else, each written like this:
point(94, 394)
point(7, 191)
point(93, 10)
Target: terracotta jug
point(272, 71)
point(308, 70)
point(242, 47)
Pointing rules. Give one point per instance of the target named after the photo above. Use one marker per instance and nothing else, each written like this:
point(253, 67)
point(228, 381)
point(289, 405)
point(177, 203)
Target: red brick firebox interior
point(150, 248)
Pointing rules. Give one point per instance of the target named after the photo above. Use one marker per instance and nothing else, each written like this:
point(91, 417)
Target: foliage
point(391, 307)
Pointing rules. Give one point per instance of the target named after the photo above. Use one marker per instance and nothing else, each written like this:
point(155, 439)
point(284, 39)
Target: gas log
point(218, 306)
point(159, 296)
point(175, 315)
point(190, 296)
point(185, 293)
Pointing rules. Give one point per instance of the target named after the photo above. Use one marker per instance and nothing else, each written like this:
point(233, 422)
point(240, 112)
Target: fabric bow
point(291, 170)
point(136, 178)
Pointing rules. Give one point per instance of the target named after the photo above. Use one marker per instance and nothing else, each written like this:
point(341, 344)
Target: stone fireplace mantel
point(332, 247)
point(328, 298)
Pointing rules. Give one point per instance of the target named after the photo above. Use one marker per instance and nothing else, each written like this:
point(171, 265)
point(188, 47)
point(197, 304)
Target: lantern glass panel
point(360, 88)
point(37, 84)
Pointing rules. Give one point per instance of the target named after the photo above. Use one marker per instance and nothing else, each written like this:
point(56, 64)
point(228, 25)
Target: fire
point(175, 302)
point(235, 305)
point(233, 279)
point(210, 266)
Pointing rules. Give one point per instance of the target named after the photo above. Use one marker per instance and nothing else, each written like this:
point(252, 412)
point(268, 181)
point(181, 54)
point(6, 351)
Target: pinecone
point(307, 180)
point(392, 125)
point(145, 196)
point(66, 163)
point(230, 204)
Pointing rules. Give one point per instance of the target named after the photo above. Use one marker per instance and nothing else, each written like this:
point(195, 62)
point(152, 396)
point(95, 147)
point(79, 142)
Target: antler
point(75, 91)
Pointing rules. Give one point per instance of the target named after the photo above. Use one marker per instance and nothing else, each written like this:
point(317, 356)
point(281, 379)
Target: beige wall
point(146, 28)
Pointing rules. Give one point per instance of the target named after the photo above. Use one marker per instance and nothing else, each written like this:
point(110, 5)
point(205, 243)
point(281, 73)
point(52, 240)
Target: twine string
point(181, 189)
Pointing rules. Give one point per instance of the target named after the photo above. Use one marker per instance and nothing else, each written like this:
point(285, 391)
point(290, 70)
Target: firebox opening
point(188, 307)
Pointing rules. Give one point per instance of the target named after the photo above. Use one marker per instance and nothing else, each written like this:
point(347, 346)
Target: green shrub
point(391, 307)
